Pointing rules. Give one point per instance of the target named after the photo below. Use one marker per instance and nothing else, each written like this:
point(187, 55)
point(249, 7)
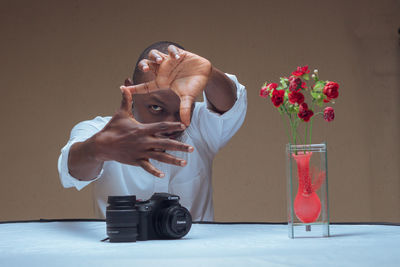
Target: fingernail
point(158, 58)
point(183, 163)
point(161, 175)
point(191, 149)
point(183, 126)
point(177, 56)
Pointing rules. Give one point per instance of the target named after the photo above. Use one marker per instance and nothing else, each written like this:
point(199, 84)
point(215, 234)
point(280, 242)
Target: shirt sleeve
point(79, 133)
point(217, 129)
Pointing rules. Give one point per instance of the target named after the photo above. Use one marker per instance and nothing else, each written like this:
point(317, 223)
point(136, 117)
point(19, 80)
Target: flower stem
point(311, 122)
point(305, 138)
point(290, 123)
point(294, 131)
point(286, 127)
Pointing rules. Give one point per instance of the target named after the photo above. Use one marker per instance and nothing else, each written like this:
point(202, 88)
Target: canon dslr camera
point(160, 217)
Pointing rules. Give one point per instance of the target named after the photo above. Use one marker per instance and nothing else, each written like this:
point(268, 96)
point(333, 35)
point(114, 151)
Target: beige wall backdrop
point(62, 62)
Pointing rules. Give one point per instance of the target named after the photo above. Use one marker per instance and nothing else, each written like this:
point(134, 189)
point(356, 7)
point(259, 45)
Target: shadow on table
point(93, 230)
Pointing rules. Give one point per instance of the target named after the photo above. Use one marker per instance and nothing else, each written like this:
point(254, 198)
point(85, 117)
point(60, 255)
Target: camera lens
point(173, 222)
point(122, 218)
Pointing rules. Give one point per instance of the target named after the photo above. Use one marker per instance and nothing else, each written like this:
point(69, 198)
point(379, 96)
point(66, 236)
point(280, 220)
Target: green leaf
point(280, 109)
point(293, 108)
point(286, 96)
point(315, 94)
point(284, 82)
point(319, 86)
point(306, 76)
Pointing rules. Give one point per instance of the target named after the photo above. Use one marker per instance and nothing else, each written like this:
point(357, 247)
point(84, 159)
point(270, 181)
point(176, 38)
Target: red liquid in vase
point(307, 205)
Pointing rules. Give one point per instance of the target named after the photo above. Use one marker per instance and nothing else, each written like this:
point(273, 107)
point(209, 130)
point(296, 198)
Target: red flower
point(301, 71)
point(331, 90)
point(329, 114)
point(296, 97)
point(272, 86)
point(295, 84)
point(327, 100)
point(265, 91)
point(277, 97)
point(304, 113)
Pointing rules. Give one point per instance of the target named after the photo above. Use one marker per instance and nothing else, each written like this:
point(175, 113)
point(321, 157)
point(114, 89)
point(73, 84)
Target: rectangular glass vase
point(307, 190)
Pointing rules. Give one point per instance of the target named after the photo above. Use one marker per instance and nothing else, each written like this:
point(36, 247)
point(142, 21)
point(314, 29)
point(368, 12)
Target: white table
point(78, 244)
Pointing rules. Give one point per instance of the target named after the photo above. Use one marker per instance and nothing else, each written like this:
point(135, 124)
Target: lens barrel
point(173, 222)
point(122, 219)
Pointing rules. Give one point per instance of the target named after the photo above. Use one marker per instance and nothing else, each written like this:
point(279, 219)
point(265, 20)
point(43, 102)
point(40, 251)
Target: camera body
point(160, 217)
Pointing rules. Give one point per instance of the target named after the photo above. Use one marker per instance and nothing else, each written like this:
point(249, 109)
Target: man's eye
point(155, 108)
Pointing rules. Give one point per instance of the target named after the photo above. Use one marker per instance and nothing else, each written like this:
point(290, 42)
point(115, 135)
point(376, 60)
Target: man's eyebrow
point(158, 99)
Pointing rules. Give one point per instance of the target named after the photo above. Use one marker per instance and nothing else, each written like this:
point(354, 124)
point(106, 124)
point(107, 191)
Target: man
point(159, 140)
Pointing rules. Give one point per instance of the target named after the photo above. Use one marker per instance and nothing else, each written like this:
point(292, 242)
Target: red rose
point(295, 84)
point(296, 97)
point(272, 86)
point(304, 113)
point(277, 97)
point(301, 71)
point(331, 90)
point(264, 92)
point(329, 114)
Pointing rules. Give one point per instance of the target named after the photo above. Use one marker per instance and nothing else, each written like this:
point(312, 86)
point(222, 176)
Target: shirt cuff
point(66, 178)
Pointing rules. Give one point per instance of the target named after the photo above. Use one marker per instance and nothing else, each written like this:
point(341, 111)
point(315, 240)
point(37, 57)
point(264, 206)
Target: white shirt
point(208, 132)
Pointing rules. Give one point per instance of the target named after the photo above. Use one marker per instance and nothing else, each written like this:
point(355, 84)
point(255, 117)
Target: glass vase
point(307, 192)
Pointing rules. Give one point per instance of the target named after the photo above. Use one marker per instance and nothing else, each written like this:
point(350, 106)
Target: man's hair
point(161, 46)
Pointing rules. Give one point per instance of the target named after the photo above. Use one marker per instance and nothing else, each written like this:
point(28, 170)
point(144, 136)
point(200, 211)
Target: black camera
point(160, 217)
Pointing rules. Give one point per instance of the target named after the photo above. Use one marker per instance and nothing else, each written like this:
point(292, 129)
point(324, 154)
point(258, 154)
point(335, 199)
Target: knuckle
point(161, 143)
point(139, 129)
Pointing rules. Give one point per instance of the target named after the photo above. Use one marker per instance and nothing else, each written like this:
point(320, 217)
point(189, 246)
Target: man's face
point(157, 106)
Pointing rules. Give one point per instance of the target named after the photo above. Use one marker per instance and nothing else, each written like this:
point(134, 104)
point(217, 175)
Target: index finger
point(143, 88)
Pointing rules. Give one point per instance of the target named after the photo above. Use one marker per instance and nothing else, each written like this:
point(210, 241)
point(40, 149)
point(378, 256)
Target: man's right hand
point(127, 141)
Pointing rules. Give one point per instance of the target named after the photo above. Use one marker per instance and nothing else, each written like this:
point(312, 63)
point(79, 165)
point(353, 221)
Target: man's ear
point(128, 82)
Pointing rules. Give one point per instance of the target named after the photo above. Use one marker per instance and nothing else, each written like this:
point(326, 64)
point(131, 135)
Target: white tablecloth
point(78, 244)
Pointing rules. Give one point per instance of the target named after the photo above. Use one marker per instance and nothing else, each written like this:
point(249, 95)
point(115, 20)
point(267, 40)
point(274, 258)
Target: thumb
point(185, 111)
point(126, 102)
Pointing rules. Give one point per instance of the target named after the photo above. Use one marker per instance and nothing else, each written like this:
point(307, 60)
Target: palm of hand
point(186, 76)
